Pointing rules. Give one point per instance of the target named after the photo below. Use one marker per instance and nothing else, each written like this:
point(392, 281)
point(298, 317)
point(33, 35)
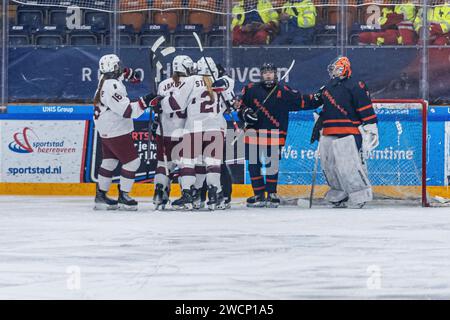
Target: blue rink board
point(399, 134)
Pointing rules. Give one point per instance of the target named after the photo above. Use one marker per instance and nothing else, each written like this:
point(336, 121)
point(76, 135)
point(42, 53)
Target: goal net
point(396, 168)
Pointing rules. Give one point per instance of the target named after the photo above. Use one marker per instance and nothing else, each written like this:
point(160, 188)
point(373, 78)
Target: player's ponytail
point(97, 93)
point(208, 82)
point(176, 78)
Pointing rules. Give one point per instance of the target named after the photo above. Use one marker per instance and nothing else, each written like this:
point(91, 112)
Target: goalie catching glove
point(370, 136)
point(132, 76)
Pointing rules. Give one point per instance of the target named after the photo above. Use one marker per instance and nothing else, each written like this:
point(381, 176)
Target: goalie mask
point(183, 65)
point(203, 69)
point(110, 66)
point(340, 68)
point(268, 73)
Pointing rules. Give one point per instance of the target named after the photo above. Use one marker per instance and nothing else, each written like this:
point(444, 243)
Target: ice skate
point(185, 202)
point(215, 199)
point(197, 201)
point(257, 201)
point(161, 197)
point(103, 202)
point(273, 201)
point(126, 203)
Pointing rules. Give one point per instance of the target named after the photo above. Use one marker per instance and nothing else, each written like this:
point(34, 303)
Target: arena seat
point(125, 33)
point(150, 32)
point(183, 35)
point(85, 36)
point(49, 36)
point(206, 19)
point(97, 19)
point(32, 17)
point(57, 17)
point(19, 35)
point(137, 15)
point(166, 14)
point(216, 37)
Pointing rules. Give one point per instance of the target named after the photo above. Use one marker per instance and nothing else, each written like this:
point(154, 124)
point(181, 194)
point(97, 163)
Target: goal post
point(397, 168)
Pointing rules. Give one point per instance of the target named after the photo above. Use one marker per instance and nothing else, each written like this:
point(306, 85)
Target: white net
point(394, 167)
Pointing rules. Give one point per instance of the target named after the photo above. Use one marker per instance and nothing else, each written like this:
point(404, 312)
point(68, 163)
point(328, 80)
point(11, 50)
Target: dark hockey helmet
point(268, 66)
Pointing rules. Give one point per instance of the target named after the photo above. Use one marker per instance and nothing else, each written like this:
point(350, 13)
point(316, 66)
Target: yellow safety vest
point(265, 11)
point(307, 13)
point(407, 9)
point(438, 14)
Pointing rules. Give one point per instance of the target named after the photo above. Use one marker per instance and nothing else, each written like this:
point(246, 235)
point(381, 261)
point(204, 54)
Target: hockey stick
point(264, 101)
point(155, 63)
point(200, 46)
point(313, 182)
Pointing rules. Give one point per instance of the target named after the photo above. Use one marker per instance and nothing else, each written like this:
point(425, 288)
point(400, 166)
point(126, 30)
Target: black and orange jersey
point(273, 116)
point(346, 105)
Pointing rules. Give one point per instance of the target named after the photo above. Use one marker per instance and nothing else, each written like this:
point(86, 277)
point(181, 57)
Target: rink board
point(70, 126)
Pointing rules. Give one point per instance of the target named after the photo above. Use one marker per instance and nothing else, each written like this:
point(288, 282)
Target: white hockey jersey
point(172, 122)
point(114, 116)
point(203, 113)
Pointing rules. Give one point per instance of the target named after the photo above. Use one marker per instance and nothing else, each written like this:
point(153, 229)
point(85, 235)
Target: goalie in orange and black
point(346, 126)
point(267, 126)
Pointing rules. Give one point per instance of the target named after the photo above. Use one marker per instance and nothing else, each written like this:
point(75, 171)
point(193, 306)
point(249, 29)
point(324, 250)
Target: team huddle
point(190, 132)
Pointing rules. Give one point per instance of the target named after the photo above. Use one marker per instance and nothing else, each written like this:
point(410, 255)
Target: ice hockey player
point(221, 86)
point(347, 112)
point(113, 117)
point(172, 122)
point(266, 132)
point(203, 140)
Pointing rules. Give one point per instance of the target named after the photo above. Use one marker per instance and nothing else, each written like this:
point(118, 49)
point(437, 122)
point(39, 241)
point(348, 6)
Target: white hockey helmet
point(203, 69)
point(183, 64)
point(109, 63)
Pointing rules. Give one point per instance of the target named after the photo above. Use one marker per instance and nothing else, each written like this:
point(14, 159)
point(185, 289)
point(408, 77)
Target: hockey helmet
point(204, 66)
point(340, 68)
point(110, 64)
point(183, 64)
point(268, 66)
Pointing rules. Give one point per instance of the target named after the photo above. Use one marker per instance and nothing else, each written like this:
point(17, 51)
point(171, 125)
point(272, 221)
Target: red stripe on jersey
point(342, 121)
point(128, 111)
point(364, 108)
point(340, 130)
point(369, 118)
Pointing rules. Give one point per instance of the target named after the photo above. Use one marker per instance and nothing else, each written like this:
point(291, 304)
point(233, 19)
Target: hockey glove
point(249, 116)
point(318, 95)
point(220, 85)
point(370, 136)
point(152, 101)
point(132, 76)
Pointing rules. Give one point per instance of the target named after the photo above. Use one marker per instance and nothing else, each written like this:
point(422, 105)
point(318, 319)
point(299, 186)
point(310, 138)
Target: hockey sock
point(127, 174)
point(200, 176)
point(160, 176)
point(256, 178)
point(271, 183)
point(225, 181)
point(105, 173)
point(213, 177)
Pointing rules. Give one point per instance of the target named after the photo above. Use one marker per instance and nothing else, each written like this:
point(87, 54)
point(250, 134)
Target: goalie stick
point(200, 46)
point(264, 101)
point(314, 175)
point(156, 67)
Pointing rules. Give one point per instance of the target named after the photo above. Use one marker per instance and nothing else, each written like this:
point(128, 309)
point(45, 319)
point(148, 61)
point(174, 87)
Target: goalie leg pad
point(328, 163)
point(351, 173)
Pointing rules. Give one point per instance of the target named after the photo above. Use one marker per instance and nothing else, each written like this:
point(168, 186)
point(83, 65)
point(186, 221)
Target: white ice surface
point(285, 253)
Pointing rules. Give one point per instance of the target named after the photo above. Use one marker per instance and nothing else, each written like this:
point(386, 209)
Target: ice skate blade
point(160, 207)
point(256, 205)
point(105, 207)
point(272, 205)
point(124, 207)
point(198, 206)
point(185, 207)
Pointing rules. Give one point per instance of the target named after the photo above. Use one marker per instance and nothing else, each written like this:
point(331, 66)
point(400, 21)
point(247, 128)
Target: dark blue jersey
point(273, 116)
point(346, 105)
